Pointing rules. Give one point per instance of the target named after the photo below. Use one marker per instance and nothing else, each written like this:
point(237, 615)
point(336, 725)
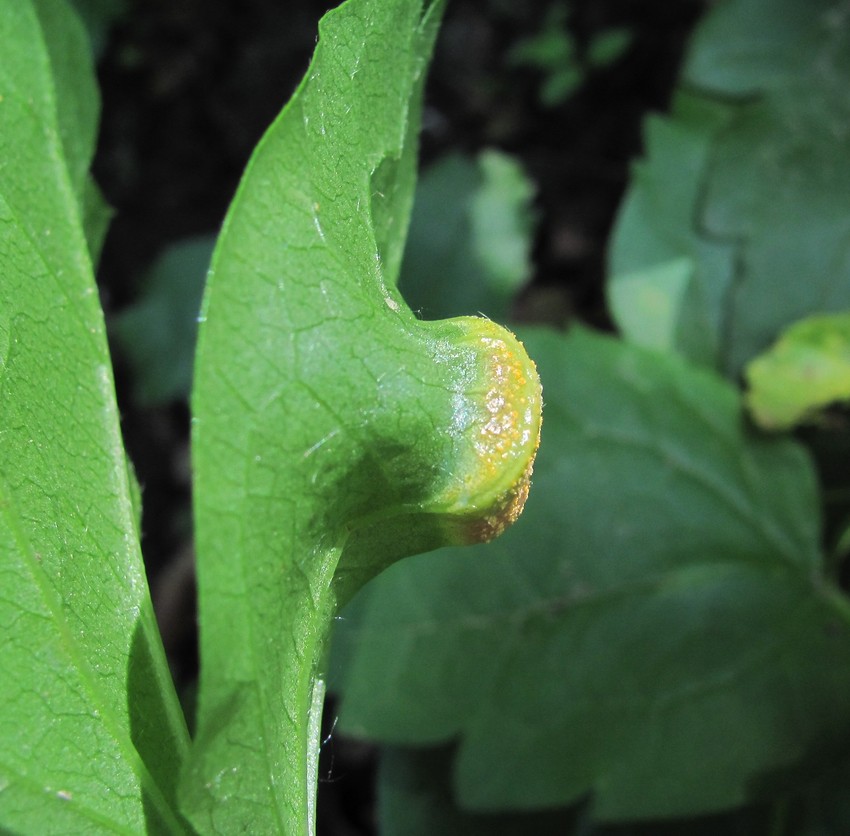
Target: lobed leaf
point(91, 735)
point(655, 630)
point(761, 237)
point(415, 799)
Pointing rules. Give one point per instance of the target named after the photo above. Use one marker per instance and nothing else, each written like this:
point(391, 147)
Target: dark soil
point(188, 88)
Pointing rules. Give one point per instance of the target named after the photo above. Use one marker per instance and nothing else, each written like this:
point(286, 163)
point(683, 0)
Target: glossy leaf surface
point(334, 432)
point(91, 735)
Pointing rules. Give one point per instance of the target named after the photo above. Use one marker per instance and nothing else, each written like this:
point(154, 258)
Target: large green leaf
point(765, 188)
point(91, 735)
point(667, 283)
point(415, 798)
point(334, 432)
point(655, 630)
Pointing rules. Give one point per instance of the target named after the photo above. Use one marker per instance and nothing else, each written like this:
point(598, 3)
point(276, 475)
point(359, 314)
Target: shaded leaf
point(745, 47)
point(98, 16)
point(777, 188)
point(554, 53)
point(470, 237)
point(415, 799)
point(608, 46)
point(158, 332)
point(667, 284)
point(763, 223)
point(654, 630)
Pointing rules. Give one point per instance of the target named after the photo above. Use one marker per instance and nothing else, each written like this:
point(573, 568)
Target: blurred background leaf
point(157, 333)
point(763, 236)
point(807, 369)
point(562, 63)
point(469, 247)
point(416, 799)
point(667, 283)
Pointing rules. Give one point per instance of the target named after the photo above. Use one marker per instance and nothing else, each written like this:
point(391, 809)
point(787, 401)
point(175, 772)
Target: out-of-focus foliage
point(469, 248)
point(660, 635)
point(736, 225)
point(98, 16)
point(563, 64)
point(157, 333)
point(808, 368)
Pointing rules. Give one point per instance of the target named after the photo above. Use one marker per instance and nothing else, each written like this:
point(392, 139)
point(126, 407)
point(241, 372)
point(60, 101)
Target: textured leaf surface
point(766, 189)
point(654, 630)
point(807, 369)
point(90, 731)
point(334, 432)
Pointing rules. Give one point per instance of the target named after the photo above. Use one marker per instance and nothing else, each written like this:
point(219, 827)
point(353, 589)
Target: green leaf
point(607, 47)
point(334, 432)
point(793, 238)
point(470, 237)
point(807, 369)
point(744, 47)
point(655, 630)
point(552, 48)
point(553, 51)
point(97, 215)
point(764, 222)
point(560, 84)
point(667, 284)
point(158, 332)
point(91, 733)
point(415, 799)
point(825, 804)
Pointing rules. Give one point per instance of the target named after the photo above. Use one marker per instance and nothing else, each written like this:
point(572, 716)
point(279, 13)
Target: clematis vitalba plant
point(334, 433)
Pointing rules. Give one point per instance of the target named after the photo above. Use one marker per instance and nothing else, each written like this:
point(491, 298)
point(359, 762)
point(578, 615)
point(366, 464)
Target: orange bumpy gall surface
point(505, 404)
